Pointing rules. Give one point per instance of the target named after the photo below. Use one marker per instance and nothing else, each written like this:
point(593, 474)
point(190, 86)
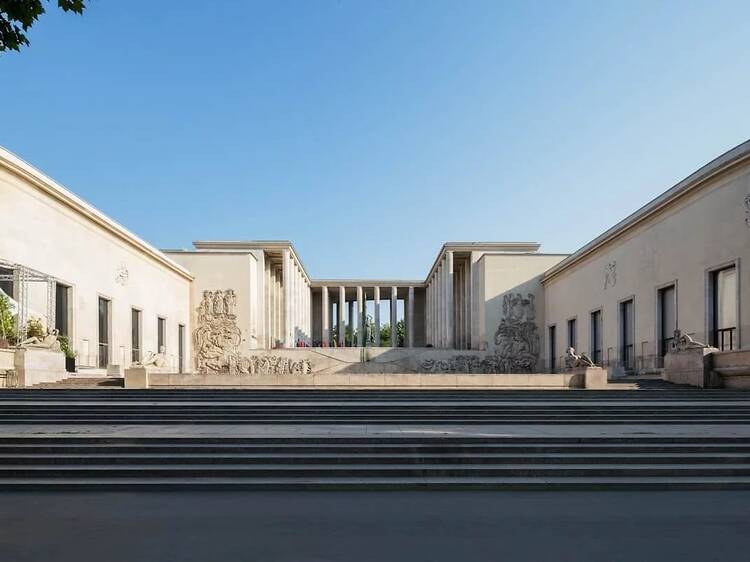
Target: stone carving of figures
point(218, 303)
point(682, 342)
point(230, 300)
point(204, 310)
point(746, 203)
point(574, 360)
point(610, 275)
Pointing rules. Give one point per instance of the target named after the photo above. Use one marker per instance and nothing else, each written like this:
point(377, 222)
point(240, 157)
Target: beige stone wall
point(43, 233)
point(500, 274)
point(704, 230)
point(227, 270)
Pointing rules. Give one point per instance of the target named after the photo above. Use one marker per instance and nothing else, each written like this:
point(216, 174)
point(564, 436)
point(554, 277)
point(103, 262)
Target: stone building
point(497, 306)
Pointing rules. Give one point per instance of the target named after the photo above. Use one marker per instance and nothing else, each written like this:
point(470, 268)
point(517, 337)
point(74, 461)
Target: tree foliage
point(17, 17)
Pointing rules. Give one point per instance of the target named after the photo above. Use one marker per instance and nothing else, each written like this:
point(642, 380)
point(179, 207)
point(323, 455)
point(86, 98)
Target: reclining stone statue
point(153, 359)
point(683, 342)
point(576, 361)
point(50, 342)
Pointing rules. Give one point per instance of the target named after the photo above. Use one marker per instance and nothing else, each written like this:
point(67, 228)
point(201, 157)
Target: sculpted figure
point(47, 342)
point(573, 360)
point(230, 300)
point(681, 342)
point(153, 359)
point(218, 303)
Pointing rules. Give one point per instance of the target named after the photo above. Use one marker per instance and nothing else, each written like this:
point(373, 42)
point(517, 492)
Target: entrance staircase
point(658, 438)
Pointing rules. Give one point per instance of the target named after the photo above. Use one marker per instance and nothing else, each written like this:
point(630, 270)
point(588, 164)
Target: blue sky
point(368, 133)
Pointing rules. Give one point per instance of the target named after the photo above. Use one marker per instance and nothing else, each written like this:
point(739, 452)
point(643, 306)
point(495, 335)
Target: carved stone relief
point(746, 204)
point(122, 275)
point(516, 340)
point(217, 341)
point(610, 275)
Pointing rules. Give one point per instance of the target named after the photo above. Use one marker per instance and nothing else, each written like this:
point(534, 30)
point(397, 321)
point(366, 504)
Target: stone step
point(373, 450)
point(357, 470)
point(364, 458)
point(377, 484)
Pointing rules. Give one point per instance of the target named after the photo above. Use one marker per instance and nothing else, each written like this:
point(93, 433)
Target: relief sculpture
point(516, 341)
point(217, 340)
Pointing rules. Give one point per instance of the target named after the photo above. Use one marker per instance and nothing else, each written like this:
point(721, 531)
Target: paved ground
point(347, 526)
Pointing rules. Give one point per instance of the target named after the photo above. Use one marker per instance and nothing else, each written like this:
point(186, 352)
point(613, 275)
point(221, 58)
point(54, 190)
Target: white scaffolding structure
point(22, 276)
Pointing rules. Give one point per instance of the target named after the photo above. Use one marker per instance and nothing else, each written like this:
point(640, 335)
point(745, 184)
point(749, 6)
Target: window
point(667, 320)
point(596, 336)
point(135, 335)
point(627, 349)
point(62, 299)
point(552, 350)
point(104, 323)
point(724, 304)
point(181, 348)
point(572, 333)
point(161, 333)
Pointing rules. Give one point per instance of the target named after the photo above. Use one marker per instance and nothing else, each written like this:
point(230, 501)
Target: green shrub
point(7, 322)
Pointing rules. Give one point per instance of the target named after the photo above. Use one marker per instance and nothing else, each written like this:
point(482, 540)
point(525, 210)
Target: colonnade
point(358, 309)
point(448, 303)
point(288, 303)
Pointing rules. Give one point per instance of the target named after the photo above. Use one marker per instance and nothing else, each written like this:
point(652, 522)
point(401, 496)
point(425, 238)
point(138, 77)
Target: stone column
point(439, 305)
point(394, 302)
point(352, 325)
point(326, 330)
point(451, 319)
point(410, 319)
point(342, 306)
point(360, 318)
point(287, 286)
point(376, 298)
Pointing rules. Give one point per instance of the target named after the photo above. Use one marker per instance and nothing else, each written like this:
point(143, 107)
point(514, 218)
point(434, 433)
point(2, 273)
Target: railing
point(627, 356)
point(725, 338)
point(103, 355)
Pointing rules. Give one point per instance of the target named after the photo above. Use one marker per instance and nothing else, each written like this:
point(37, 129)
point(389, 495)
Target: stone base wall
point(732, 368)
point(370, 380)
point(368, 360)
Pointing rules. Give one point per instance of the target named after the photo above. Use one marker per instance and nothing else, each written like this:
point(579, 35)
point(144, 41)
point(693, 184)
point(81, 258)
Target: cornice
point(25, 171)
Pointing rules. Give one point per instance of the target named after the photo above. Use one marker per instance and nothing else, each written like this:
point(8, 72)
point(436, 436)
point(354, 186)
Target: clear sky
point(370, 132)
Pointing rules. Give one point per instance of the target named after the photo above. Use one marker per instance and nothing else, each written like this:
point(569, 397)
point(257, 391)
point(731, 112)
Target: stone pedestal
point(594, 378)
point(139, 377)
point(691, 366)
point(37, 365)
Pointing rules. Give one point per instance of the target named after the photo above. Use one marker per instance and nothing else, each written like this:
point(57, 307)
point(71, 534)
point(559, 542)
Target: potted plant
point(70, 355)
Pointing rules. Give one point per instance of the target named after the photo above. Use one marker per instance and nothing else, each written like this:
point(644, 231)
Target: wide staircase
point(660, 438)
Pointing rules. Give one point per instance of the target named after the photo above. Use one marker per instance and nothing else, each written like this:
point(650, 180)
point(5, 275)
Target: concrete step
point(363, 458)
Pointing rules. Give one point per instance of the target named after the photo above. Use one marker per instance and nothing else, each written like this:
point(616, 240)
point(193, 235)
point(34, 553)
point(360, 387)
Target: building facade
point(676, 263)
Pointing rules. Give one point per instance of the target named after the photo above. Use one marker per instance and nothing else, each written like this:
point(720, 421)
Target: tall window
point(161, 334)
point(627, 348)
point(135, 335)
point(724, 313)
point(104, 323)
point(6, 281)
point(181, 348)
point(596, 336)
point(572, 333)
point(667, 322)
point(62, 299)
point(552, 349)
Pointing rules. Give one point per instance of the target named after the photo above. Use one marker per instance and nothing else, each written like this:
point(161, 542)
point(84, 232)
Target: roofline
point(207, 246)
point(368, 283)
point(734, 157)
point(499, 247)
point(22, 169)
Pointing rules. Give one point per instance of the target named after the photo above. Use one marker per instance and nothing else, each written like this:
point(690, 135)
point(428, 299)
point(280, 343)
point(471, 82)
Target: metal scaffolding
point(22, 276)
